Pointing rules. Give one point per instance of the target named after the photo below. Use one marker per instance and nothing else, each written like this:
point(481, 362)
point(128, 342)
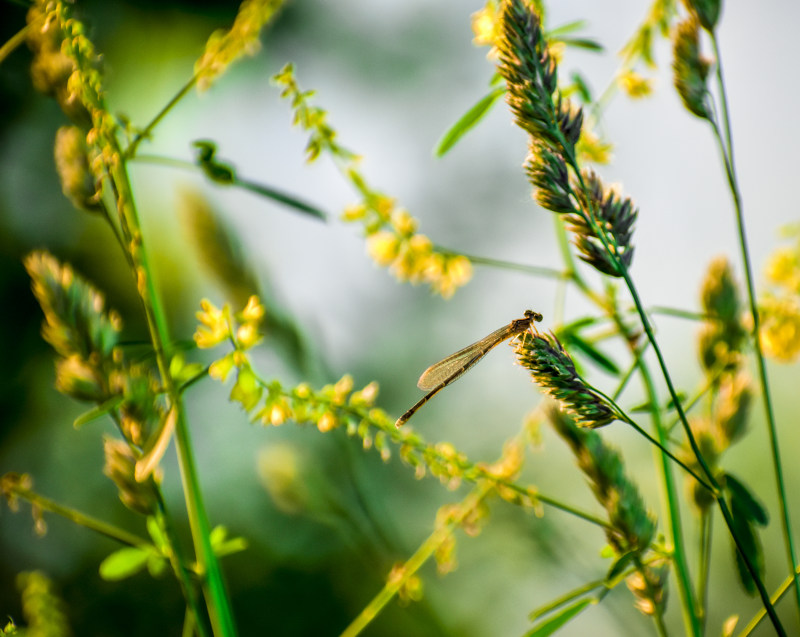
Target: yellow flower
point(635, 85)
point(783, 269)
point(487, 26)
point(214, 328)
point(221, 368)
point(404, 223)
point(592, 149)
point(248, 335)
point(780, 327)
point(225, 47)
point(253, 311)
point(383, 247)
point(327, 422)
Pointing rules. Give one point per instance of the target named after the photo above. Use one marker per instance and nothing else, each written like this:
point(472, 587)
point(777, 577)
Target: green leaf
point(124, 563)
point(283, 198)
point(619, 566)
point(156, 565)
point(468, 121)
point(582, 87)
point(157, 534)
point(582, 43)
point(222, 546)
point(564, 29)
point(552, 624)
point(749, 543)
point(744, 502)
point(592, 353)
point(96, 412)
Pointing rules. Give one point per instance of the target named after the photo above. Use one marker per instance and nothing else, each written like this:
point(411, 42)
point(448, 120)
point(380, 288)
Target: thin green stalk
point(15, 40)
point(667, 480)
point(130, 152)
point(98, 526)
point(696, 450)
point(625, 418)
point(762, 613)
point(214, 587)
point(674, 523)
point(415, 562)
point(508, 265)
point(178, 561)
point(730, 171)
point(706, 524)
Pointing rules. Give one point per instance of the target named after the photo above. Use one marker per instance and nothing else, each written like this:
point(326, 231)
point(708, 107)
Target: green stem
point(415, 562)
point(696, 451)
point(706, 523)
point(87, 521)
point(667, 480)
point(130, 152)
point(214, 587)
point(730, 171)
point(508, 265)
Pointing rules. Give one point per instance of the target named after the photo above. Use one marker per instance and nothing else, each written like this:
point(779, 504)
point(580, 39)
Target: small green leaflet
point(552, 624)
point(468, 121)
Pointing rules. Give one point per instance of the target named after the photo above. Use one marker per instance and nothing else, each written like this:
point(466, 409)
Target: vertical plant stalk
point(213, 585)
point(538, 115)
point(726, 150)
point(673, 511)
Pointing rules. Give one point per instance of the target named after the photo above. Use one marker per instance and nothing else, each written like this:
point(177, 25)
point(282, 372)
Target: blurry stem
point(776, 597)
point(726, 514)
point(130, 152)
point(415, 562)
point(16, 40)
point(706, 523)
point(178, 562)
point(213, 585)
point(506, 265)
point(667, 479)
point(87, 521)
point(726, 149)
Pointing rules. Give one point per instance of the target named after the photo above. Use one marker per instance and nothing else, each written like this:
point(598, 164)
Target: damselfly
point(441, 374)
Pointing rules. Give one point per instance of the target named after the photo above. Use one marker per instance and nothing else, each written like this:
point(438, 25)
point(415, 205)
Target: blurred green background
point(393, 76)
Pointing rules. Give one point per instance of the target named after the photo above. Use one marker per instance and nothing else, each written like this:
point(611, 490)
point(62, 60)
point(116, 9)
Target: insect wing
point(456, 364)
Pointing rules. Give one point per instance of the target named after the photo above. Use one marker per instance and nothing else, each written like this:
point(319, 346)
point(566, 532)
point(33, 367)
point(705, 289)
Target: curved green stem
point(130, 152)
point(213, 585)
point(730, 170)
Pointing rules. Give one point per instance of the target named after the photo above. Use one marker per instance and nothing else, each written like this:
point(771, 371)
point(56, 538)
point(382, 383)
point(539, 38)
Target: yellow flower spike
point(403, 222)
point(342, 387)
point(383, 247)
point(487, 26)
point(354, 212)
point(635, 85)
point(384, 206)
point(591, 148)
point(780, 328)
point(214, 328)
point(783, 268)
point(253, 311)
point(248, 335)
point(327, 422)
